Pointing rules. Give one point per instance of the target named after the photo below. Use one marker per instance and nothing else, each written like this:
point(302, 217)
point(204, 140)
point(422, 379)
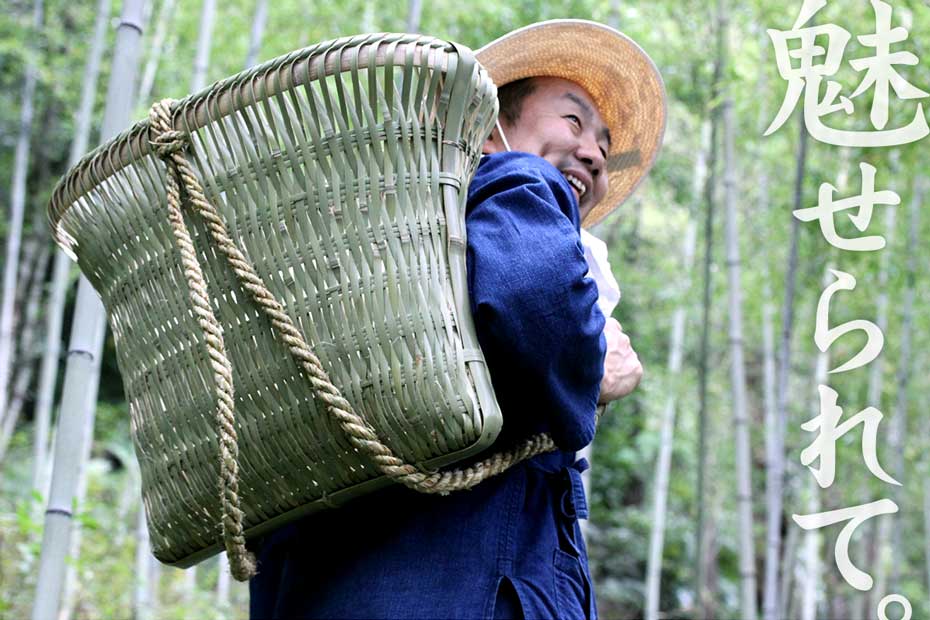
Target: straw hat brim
point(620, 77)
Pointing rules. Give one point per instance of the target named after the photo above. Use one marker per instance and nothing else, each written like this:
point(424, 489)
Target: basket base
point(332, 501)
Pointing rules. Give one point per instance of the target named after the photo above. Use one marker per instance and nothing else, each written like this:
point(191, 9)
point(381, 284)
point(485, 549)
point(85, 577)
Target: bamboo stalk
point(664, 460)
point(62, 266)
point(222, 583)
point(127, 498)
point(141, 600)
point(155, 571)
point(789, 559)
point(747, 556)
point(811, 558)
point(860, 602)
point(702, 555)
point(884, 530)
point(27, 348)
point(614, 14)
point(256, 33)
point(85, 347)
point(899, 431)
point(17, 208)
point(27, 257)
point(368, 18)
point(773, 458)
point(70, 593)
point(776, 470)
point(202, 60)
point(925, 433)
point(165, 15)
point(414, 12)
point(188, 584)
point(812, 538)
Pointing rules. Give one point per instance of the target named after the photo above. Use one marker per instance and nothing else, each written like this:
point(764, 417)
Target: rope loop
point(169, 145)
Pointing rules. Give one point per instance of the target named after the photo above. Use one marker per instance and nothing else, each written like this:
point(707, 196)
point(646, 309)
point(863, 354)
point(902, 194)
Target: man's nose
point(589, 152)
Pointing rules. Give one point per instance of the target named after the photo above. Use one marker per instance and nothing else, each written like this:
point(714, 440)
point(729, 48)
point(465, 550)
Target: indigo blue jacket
point(510, 547)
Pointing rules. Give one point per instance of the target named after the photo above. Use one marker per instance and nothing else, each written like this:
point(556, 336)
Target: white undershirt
point(595, 252)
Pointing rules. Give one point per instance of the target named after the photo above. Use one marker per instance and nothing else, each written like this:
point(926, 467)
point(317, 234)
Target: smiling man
point(535, 311)
point(556, 119)
point(582, 114)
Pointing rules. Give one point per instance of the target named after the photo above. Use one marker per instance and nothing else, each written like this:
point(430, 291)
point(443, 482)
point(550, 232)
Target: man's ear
point(497, 141)
point(492, 144)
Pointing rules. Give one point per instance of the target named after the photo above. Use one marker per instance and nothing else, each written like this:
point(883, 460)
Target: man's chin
point(583, 210)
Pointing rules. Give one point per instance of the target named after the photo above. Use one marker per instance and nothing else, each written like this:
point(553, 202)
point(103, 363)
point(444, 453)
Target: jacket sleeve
point(535, 312)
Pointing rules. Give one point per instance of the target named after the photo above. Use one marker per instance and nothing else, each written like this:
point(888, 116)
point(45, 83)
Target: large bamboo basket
point(340, 171)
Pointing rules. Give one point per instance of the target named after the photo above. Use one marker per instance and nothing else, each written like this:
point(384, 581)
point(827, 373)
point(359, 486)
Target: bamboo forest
point(771, 462)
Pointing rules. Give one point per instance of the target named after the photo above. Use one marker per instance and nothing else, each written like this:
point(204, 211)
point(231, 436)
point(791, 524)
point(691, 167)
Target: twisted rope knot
point(165, 139)
point(169, 142)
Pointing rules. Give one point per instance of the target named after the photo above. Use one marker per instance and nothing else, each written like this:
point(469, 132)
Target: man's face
point(558, 122)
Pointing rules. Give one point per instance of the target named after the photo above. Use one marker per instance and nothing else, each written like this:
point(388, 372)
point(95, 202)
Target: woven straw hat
point(620, 77)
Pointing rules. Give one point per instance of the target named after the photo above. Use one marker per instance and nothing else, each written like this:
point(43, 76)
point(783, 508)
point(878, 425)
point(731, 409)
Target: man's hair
point(511, 98)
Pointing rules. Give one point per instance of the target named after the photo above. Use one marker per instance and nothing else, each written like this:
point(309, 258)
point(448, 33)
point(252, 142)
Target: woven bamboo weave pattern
point(340, 173)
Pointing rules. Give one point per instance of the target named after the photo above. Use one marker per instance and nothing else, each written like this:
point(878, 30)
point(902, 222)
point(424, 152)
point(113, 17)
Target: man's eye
point(574, 119)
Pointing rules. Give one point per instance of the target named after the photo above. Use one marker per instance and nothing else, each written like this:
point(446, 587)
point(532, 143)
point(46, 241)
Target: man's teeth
point(577, 184)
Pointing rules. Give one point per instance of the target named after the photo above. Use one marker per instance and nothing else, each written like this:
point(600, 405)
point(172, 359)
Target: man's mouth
point(576, 183)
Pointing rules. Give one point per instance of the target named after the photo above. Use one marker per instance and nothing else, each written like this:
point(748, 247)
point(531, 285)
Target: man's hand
point(622, 370)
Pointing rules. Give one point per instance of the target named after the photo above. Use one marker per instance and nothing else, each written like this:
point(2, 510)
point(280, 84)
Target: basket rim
point(246, 88)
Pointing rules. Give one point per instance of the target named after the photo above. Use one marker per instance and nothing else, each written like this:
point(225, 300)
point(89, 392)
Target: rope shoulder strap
point(170, 145)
